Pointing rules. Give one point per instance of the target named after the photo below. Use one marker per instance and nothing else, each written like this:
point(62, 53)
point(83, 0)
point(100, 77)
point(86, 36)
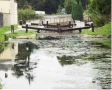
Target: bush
point(27, 14)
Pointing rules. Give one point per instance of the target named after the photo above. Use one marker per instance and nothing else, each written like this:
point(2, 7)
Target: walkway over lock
point(58, 27)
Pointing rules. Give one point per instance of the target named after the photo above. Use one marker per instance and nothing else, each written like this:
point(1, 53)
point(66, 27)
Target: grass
point(21, 33)
point(104, 30)
point(5, 29)
point(106, 42)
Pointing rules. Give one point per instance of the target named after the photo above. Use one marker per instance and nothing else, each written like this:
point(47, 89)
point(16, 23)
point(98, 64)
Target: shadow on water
point(49, 38)
point(69, 63)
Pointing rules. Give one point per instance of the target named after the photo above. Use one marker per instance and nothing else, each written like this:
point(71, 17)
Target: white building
point(39, 12)
point(8, 12)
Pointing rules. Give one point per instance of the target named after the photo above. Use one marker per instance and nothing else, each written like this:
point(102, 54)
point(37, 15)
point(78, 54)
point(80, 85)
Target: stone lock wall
point(53, 19)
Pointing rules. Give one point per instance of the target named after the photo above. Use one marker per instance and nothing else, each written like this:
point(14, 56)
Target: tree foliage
point(77, 11)
point(68, 6)
point(49, 6)
point(27, 14)
point(23, 4)
point(59, 10)
point(84, 3)
point(99, 11)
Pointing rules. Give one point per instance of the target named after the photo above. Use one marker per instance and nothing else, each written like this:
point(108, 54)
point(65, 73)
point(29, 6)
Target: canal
point(63, 62)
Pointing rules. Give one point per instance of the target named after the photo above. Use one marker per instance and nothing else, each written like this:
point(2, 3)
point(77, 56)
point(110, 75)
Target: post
point(12, 28)
point(42, 23)
point(92, 26)
point(80, 30)
point(47, 24)
point(58, 26)
point(20, 22)
point(69, 24)
point(26, 28)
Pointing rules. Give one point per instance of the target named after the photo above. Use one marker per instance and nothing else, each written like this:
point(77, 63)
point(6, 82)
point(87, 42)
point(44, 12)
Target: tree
point(99, 11)
point(84, 3)
point(77, 11)
point(59, 9)
point(68, 6)
point(23, 4)
point(49, 6)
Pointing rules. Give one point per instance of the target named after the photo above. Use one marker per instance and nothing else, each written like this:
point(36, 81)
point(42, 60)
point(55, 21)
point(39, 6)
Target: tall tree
point(77, 11)
point(84, 3)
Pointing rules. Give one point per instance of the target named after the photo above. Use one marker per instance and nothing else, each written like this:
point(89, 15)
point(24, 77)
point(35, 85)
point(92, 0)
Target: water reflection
point(68, 60)
point(17, 58)
point(54, 67)
point(23, 64)
point(9, 52)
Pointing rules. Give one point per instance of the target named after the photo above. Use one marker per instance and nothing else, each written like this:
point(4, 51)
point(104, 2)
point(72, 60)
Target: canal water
point(63, 62)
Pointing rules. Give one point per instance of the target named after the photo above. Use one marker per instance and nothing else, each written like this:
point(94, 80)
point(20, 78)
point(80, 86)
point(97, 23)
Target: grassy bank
point(5, 29)
point(106, 43)
point(21, 33)
point(4, 36)
point(104, 30)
